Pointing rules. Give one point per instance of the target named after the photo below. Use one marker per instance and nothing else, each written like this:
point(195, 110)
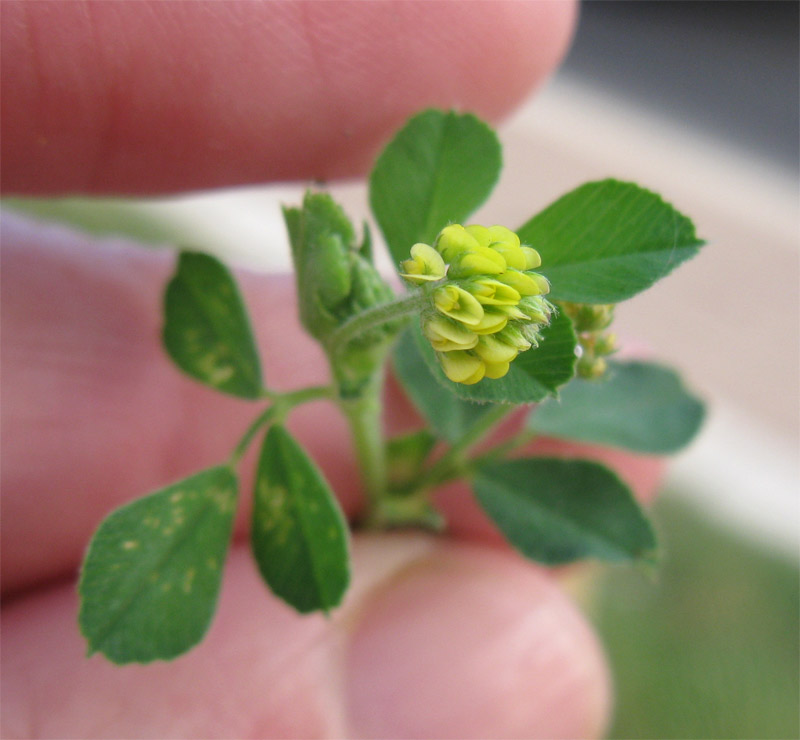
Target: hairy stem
point(364, 416)
point(374, 317)
point(453, 460)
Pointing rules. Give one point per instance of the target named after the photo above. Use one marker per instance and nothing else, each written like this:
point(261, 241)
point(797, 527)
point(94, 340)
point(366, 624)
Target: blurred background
point(699, 102)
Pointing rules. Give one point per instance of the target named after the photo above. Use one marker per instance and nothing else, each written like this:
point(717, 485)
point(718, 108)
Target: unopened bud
point(491, 349)
point(462, 367)
point(532, 258)
point(477, 261)
point(491, 292)
point(425, 265)
point(606, 344)
point(458, 304)
point(446, 335)
point(453, 240)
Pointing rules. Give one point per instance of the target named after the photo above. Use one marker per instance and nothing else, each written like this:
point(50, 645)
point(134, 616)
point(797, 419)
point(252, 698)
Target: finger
point(147, 97)
point(436, 640)
point(94, 414)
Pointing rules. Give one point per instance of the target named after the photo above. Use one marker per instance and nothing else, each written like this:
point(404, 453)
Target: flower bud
point(591, 368)
point(458, 304)
point(453, 240)
point(496, 370)
point(525, 283)
point(480, 233)
point(606, 344)
point(494, 319)
point(532, 258)
point(491, 292)
point(491, 349)
point(425, 265)
point(590, 317)
point(446, 335)
point(462, 367)
point(514, 337)
point(477, 261)
point(536, 309)
point(500, 235)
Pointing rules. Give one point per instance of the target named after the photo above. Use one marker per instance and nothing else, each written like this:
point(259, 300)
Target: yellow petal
point(532, 258)
point(446, 335)
point(453, 240)
point(492, 322)
point(491, 292)
point(490, 349)
point(425, 265)
point(514, 256)
point(502, 235)
point(525, 283)
point(481, 234)
point(477, 261)
point(460, 366)
point(458, 304)
point(476, 376)
point(496, 370)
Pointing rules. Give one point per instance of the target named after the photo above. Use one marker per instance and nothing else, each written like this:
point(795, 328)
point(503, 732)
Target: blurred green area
point(711, 649)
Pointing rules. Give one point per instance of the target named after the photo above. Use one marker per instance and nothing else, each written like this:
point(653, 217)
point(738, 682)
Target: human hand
point(437, 637)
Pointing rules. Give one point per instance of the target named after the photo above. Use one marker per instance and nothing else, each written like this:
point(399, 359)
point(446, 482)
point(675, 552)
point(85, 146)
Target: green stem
point(500, 451)
point(362, 322)
point(453, 460)
point(282, 404)
point(364, 416)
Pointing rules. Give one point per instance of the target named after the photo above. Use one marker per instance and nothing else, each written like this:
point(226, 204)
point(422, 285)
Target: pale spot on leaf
point(187, 580)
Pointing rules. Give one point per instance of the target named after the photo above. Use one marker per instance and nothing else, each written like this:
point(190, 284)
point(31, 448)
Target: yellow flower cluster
point(489, 307)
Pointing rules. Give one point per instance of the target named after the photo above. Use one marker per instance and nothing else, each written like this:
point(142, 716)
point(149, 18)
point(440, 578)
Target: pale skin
point(449, 637)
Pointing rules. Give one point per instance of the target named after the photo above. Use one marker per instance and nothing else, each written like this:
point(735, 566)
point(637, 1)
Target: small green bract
point(495, 317)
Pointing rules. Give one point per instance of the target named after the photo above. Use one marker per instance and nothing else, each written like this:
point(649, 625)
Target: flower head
point(487, 305)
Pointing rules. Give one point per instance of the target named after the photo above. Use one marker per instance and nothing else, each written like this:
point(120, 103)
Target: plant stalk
point(374, 317)
point(282, 403)
point(453, 460)
point(364, 417)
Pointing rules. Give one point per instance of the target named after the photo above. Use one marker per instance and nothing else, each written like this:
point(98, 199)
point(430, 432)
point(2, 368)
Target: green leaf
point(448, 415)
point(438, 169)
point(206, 330)
point(556, 511)
point(299, 534)
point(641, 407)
point(151, 577)
point(607, 241)
point(533, 375)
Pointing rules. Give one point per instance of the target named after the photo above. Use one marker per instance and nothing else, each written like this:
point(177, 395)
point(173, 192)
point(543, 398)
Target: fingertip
point(158, 97)
point(470, 642)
